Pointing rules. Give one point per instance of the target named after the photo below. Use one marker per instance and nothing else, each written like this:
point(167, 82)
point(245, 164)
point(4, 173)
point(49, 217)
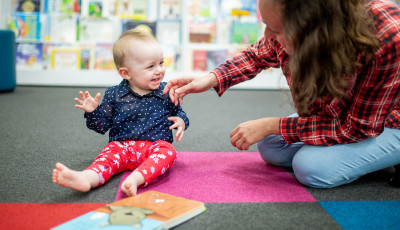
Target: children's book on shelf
point(200, 10)
point(95, 8)
point(199, 60)
point(62, 6)
point(150, 27)
point(244, 32)
point(97, 30)
point(63, 28)
point(26, 26)
point(169, 32)
point(169, 9)
point(148, 210)
point(65, 58)
point(132, 9)
point(216, 58)
point(103, 57)
point(28, 6)
point(29, 56)
point(171, 57)
point(87, 56)
point(202, 32)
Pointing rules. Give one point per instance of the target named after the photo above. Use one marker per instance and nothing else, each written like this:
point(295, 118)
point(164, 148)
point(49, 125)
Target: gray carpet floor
point(40, 126)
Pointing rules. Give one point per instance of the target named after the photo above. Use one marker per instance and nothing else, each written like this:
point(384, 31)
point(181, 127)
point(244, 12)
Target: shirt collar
point(124, 89)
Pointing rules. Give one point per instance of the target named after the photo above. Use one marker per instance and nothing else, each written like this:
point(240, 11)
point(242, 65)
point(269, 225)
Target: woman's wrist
point(273, 125)
point(213, 81)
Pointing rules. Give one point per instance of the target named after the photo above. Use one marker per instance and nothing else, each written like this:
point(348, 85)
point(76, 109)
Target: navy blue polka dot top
point(130, 116)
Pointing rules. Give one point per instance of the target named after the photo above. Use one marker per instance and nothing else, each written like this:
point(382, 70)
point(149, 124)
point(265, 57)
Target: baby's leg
point(160, 157)
point(81, 181)
point(132, 182)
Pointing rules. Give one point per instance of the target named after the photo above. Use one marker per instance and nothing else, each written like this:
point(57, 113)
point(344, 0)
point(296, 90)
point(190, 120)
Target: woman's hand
point(87, 102)
point(251, 132)
point(180, 87)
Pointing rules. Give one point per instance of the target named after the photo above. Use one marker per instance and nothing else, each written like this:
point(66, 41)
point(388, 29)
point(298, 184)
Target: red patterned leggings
point(149, 158)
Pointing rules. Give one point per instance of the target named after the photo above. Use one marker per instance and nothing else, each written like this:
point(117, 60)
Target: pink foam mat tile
point(225, 177)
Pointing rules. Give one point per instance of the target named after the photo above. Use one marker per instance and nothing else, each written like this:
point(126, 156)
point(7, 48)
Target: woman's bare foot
point(131, 183)
point(81, 181)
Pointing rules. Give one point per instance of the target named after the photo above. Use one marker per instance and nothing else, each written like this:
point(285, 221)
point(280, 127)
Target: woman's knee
point(315, 172)
point(275, 151)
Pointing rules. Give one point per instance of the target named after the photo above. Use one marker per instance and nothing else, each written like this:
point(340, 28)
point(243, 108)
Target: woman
point(341, 59)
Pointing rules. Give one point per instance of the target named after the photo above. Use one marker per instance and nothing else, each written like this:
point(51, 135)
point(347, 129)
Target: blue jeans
point(331, 166)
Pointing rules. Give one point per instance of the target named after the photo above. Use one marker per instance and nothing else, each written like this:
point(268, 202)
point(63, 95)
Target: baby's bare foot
point(77, 180)
point(131, 183)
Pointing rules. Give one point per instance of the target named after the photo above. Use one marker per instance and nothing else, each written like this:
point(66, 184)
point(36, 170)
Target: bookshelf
point(185, 39)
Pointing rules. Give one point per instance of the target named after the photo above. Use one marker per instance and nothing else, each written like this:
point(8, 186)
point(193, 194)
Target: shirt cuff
point(93, 116)
point(220, 79)
point(288, 129)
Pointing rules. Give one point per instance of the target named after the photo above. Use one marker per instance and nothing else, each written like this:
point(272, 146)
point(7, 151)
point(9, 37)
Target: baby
point(138, 116)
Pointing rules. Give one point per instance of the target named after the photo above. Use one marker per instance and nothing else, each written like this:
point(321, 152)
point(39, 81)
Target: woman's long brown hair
point(327, 36)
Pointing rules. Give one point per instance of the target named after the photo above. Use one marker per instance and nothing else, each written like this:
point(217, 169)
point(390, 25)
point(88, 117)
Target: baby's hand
point(88, 103)
point(179, 124)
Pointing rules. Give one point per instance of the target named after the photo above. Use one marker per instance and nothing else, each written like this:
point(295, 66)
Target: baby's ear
point(123, 71)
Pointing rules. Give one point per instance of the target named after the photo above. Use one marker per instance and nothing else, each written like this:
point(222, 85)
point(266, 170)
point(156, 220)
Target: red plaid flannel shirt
point(371, 103)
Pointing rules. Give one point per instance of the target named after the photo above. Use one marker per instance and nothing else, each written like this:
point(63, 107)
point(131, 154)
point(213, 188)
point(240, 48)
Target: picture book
point(87, 56)
point(62, 6)
point(132, 9)
point(200, 10)
point(28, 6)
point(169, 9)
point(63, 28)
point(169, 32)
point(29, 56)
point(65, 58)
point(150, 27)
point(202, 32)
point(216, 58)
point(171, 57)
point(244, 33)
point(26, 26)
point(103, 57)
point(199, 60)
point(97, 30)
point(148, 210)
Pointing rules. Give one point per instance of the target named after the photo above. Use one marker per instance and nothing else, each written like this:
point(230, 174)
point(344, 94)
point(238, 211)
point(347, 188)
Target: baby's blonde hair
point(120, 46)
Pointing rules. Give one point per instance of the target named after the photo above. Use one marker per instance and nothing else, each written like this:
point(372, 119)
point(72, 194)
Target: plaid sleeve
point(373, 97)
point(247, 64)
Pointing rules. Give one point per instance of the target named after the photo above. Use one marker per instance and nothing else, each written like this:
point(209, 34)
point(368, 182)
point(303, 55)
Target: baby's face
point(145, 63)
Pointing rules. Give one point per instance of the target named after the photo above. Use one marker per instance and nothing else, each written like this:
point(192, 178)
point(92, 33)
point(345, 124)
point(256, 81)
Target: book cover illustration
point(29, 56)
point(169, 32)
point(87, 56)
point(63, 28)
point(199, 60)
point(132, 9)
point(97, 30)
point(171, 57)
point(148, 210)
point(169, 9)
point(104, 57)
point(150, 27)
point(95, 8)
point(202, 32)
point(216, 58)
point(200, 10)
point(28, 6)
point(62, 6)
point(26, 26)
point(244, 33)
point(65, 58)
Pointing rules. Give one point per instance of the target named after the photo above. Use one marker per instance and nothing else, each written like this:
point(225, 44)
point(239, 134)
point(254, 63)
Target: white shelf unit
point(268, 79)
